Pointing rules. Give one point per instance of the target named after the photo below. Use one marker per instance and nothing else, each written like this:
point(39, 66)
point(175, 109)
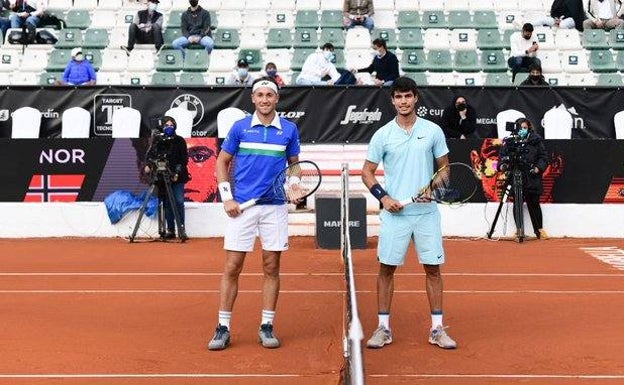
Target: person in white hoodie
point(523, 50)
point(317, 66)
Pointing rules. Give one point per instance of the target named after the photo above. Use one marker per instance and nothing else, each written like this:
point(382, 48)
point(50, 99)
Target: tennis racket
point(296, 182)
point(452, 184)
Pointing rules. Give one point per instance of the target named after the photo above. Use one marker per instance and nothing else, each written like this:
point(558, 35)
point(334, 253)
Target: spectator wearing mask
point(459, 120)
point(319, 66)
point(523, 50)
point(240, 76)
point(565, 14)
point(385, 64)
point(79, 72)
point(535, 77)
point(195, 29)
point(26, 12)
point(146, 28)
point(271, 71)
point(358, 12)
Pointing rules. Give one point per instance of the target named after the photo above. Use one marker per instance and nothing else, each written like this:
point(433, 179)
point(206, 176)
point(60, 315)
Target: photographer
point(524, 150)
point(168, 146)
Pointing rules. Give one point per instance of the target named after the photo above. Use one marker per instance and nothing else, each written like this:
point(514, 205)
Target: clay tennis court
point(102, 311)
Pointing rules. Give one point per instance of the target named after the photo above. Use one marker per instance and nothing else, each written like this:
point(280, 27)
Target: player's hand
point(147, 169)
point(424, 196)
point(391, 205)
point(294, 193)
point(232, 209)
point(175, 177)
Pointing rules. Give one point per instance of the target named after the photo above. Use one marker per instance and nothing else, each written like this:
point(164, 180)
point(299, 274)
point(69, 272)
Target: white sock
point(267, 317)
point(224, 318)
point(384, 320)
point(436, 320)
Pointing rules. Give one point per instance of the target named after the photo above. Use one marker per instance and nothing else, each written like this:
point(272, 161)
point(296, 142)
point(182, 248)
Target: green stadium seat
point(439, 61)
point(616, 39)
point(170, 35)
point(214, 21)
point(196, 61)
point(170, 60)
point(226, 38)
point(489, 39)
point(493, 61)
point(389, 35)
point(175, 18)
point(610, 80)
point(50, 78)
point(506, 36)
point(411, 38)
point(58, 60)
point(409, 19)
point(466, 61)
point(431, 19)
point(331, 19)
point(306, 19)
point(253, 57)
point(494, 79)
point(601, 61)
point(279, 38)
point(419, 77)
point(305, 38)
point(96, 38)
point(594, 39)
point(485, 20)
point(339, 59)
point(414, 61)
point(192, 79)
point(619, 61)
point(78, 18)
point(299, 57)
point(94, 56)
point(58, 13)
point(335, 36)
point(163, 79)
point(460, 19)
point(69, 38)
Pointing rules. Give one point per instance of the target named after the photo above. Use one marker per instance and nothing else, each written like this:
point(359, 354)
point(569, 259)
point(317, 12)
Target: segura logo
point(191, 103)
point(363, 117)
point(4, 115)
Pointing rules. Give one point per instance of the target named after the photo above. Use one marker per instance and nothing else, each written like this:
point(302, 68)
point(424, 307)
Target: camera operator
point(524, 150)
point(166, 145)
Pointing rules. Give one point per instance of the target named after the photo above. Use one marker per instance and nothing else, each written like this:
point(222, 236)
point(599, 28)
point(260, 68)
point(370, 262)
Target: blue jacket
point(78, 72)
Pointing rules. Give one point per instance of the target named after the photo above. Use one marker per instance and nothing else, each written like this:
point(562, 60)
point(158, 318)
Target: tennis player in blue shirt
point(258, 147)
point(408, 146)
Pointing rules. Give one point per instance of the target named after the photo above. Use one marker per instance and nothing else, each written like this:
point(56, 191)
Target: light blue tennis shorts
point(398, 230)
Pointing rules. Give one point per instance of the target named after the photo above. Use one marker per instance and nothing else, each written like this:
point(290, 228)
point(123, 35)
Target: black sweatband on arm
point(378, 191)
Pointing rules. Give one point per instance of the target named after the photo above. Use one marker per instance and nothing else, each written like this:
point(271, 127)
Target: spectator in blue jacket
point(385, 64)
point(79, 72)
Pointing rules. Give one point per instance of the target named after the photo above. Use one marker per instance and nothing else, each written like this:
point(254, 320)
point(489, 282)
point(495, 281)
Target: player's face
point(485, 165)
point(201, 166)
point(404, 102)
point(265, 100)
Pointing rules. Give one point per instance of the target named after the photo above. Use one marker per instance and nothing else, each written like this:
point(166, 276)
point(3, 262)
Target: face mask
point(152, 6)
point(193, 3)
point(271, 73)
point(329, 55)
point(79, 57)
point(523, 132)
point(242, 72)
point(460, 106)
point(378, 53)
point(169, 130)
point(535, 77)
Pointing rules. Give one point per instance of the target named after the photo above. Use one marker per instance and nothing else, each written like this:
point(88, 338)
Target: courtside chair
point(419, 77)
point(331, 18)
point(279, 38)
point(305, 38)
point(77, 18)
point(170, 60)
point(609, 80)
point(75, 123)
point(163, 79)
point(387, 34)
point(595, 39)
point(410, 38)
point(95, 38)
point(69, 38)
point(601, 61)
point(307, 19)
point(409, 19)
point(183, 118)
point(497, 79)
point(58, 60)
point(335, 36)
point(618, 121)
point(489, 39)
point(26, 123)
point(196, 61)
point(50, 78)
point(126, 123)
point(466, 61)
point(226, 38)
point(299, 57)
point(460, 19)
point(414, 61)
point(558, 124)
point(493, 61)
point(253, 57)
point(616, 39)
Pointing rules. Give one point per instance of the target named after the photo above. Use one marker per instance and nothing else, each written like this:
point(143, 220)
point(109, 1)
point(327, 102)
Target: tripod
point(513, 180)
point(161, 177)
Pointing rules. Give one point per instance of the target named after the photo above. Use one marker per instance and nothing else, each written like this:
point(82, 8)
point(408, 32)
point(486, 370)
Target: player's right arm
point(371, 182)
point(224, 161)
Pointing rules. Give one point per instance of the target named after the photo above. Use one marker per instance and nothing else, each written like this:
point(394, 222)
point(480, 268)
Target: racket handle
point(407, 201)
point(245, 205)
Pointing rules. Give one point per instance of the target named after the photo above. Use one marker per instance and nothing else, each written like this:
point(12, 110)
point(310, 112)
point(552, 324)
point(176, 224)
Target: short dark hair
point(379, 42)
point(535, 67)
point(403, 84)
point(519, 121)
point(528, 27)
point(329, 46)
point(265, 78)
point(270, 64)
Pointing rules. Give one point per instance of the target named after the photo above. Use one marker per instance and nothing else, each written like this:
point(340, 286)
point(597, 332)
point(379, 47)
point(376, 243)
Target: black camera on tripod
point(161, 147)
point(514, 150)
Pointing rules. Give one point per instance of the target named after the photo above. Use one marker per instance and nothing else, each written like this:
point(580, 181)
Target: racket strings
point(453, 184)
point(301, 183)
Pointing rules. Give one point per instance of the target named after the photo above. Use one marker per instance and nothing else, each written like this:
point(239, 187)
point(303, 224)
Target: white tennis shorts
point(270, 222)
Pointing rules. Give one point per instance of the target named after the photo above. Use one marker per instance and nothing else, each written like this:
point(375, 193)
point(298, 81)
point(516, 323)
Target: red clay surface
point(102, 311)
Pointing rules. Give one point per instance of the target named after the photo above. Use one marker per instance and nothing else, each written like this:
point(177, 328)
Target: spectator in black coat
point(146, 28)
point(535, 77)
point(385, 64)
point(459, 119)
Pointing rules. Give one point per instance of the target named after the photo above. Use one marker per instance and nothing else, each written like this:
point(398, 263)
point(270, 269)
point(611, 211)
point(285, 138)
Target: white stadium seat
point(558, 124)
point(568, 39)
point(114, 60)
point(618, 121)
point(126, 123)
point(504, 117)
point(423, 5)
point(184, 121)
point(436, 38)
point(226, 118)
point(357, 38)
point(26, 123)
point(463, 39)
point(75, 123)
point(88, 5)
point(222, 60)
point(574, 62)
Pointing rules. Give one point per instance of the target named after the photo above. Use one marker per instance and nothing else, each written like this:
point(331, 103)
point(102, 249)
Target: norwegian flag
point(54, 188)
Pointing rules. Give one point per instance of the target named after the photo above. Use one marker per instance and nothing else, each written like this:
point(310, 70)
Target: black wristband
point(378, 191)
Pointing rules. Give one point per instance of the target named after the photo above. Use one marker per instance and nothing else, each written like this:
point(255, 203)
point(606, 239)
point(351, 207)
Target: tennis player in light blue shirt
point(409, 147)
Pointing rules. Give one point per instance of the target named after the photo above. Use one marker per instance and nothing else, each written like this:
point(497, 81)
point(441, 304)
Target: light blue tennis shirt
point(408, 159)
point(260, 152)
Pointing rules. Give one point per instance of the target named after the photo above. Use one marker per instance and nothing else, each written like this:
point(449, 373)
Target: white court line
point(191, 274)
point(200, 291)
point(508, 376)
point(154, 375)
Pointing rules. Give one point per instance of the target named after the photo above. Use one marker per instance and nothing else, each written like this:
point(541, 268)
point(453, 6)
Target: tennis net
point(353, 373)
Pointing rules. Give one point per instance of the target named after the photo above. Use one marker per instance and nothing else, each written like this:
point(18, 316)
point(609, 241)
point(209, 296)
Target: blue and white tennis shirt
point(408, 159)
point(260, 152)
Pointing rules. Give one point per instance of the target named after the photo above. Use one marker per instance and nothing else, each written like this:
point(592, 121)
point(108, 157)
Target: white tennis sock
point(267, 317)
point(436, 320)
point(224, 318)
point(384, 320)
